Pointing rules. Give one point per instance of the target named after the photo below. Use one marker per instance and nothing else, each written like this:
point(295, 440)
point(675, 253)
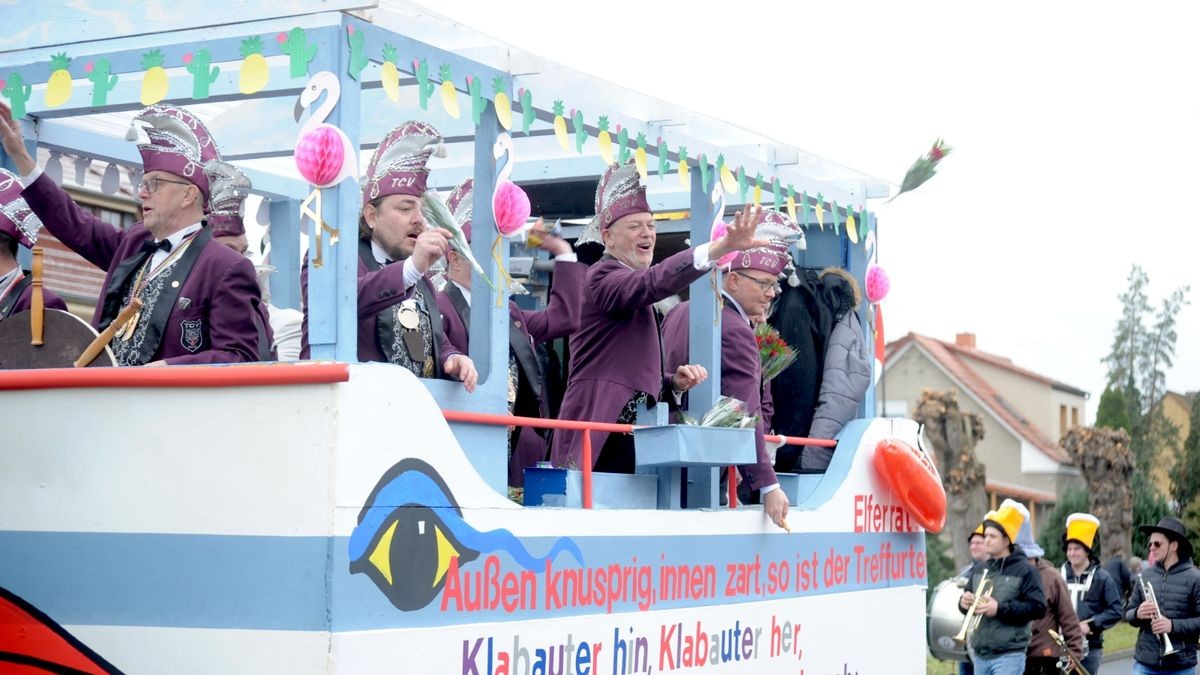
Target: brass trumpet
point(983, 592)
point(1148, 591)
point(1067, 662)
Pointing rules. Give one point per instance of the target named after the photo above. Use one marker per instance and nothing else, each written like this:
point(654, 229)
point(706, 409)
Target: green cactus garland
point(622, 144)
point(528, 114)
point(294, 45)
point(703, 161)
point(102, 80)
point(424, 86)
point(203, 75)
point(664, 164)
point(478, 103)
point(358, 56)
point(580, 131)
point(17, 92)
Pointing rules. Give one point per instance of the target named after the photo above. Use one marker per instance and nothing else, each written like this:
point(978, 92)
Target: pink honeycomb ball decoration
point(320, 155)
point(719, 230)
point(878, 284)
point(511, 208)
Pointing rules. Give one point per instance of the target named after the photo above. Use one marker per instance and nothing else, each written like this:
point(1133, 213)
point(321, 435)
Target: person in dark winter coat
point(1044, 656)
point(1175, 583)
point(997, 646)
point(846, 369)
point(1094, 595)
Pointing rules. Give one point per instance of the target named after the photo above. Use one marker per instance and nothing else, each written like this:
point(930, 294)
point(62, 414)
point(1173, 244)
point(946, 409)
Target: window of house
point(1074, 417)
point(1062, 419)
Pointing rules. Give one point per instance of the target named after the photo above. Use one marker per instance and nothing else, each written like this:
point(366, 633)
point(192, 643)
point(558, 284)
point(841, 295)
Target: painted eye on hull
point(402, 542)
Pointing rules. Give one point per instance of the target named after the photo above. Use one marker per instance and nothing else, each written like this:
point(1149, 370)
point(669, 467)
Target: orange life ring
point(914, 480)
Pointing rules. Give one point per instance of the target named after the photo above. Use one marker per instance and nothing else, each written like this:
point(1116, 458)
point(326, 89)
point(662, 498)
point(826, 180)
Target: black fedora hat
point(1173, 530)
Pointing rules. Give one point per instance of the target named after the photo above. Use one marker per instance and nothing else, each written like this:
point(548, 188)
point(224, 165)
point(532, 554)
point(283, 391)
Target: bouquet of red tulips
point(774, 353)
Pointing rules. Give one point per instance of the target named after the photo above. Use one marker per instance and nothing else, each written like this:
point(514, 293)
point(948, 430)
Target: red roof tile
point(950, 357)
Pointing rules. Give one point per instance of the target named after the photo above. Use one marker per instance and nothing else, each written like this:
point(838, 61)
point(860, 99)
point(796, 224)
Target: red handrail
point(588, 427)
point(239, 375)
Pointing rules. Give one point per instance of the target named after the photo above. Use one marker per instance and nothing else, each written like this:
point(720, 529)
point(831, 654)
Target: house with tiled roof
point(1024, 413)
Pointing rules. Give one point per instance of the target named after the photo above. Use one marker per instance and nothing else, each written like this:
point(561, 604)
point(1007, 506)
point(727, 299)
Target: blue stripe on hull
point(279, 583)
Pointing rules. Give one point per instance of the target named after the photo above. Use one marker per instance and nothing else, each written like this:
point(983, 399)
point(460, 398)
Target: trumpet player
point(1165, 605)
point(1095, 596)
point(997, 645)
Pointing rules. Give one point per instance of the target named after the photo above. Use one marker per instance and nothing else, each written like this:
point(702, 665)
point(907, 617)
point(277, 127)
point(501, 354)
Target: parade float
point(335, 517)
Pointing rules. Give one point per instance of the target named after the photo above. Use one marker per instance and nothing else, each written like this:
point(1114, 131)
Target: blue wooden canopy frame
point(333, 286)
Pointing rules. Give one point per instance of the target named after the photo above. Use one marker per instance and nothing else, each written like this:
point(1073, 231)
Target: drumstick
point(93, 350)
point(37, 304)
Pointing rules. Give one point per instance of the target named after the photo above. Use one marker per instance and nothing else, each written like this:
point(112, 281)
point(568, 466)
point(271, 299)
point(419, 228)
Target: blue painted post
point(484, 445)
point(333, 287)
point(704, 343)
point(285, 253)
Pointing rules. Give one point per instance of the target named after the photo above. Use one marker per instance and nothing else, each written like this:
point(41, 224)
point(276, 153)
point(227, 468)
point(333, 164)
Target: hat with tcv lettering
point(398, 166)
point(174, 140)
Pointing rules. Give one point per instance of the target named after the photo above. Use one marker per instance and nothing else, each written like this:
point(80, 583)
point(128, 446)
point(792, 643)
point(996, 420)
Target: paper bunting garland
point(791, 203)
point(202, 75)
point(685, 178)
point(424, 86)
point(603, 139)
point(560, 126)
point(501, 102)
point(449, 93)
point(528, 114)
point(478, 104)
point(58, 87)
point(295, 46)
point(358, 59)
point(664, 161)
point(639, 156)
point(102, 79)
point(622, 144)
point(389, 74)
point(252, 76)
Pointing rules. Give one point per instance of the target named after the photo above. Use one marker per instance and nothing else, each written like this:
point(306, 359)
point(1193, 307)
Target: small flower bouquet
point(774, 353)
point(924, 168)
point(729, 412)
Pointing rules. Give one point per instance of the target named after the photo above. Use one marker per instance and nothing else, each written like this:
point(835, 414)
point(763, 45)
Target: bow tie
point(150, 246)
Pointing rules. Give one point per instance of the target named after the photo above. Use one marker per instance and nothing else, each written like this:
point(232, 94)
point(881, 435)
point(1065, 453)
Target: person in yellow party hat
point(997, 646)
point(1094, 593)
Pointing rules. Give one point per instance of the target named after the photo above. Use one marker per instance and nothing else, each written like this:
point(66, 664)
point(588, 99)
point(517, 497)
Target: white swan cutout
point(325, 82)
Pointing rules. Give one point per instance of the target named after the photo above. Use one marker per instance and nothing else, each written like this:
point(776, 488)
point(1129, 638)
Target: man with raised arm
point(527, 395)
point(18, 227)
point(198, 297)
point(616, 361)
point(1173, 613)
point(746, 291)
point(398, 317)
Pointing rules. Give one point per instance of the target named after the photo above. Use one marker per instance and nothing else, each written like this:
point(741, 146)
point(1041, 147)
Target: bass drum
point(944, 620)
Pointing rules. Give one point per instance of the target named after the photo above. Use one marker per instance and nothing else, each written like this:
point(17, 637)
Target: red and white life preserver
point(913, 478)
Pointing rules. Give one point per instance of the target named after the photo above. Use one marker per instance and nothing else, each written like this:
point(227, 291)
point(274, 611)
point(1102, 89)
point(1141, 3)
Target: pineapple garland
point(449, 93)
point(560, 126)
point(389, 74)
point(58, 87)
point(253, 76)
point(604, 140)
point(684, 169)
point(639, 156)
point(503, 105)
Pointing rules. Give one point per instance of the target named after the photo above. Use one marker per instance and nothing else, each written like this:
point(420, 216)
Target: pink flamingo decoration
point(324, 154)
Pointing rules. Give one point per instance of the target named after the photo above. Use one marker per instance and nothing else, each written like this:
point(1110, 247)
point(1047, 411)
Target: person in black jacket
point(1094, 594)
point(997, 646)
point(1175, 617)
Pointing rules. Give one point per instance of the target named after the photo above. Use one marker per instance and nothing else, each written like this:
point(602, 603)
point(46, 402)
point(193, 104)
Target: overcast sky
point(1075, 126)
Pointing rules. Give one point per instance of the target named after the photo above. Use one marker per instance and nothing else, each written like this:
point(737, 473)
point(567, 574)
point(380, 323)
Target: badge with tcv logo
point(192, 335)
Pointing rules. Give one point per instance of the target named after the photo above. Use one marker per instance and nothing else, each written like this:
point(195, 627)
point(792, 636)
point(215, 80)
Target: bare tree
point(953, 435)
point(1107, 463)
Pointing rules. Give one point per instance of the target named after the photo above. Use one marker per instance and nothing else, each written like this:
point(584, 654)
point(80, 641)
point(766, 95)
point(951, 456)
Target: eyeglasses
point(764, 284)
point(1157, 544)
point(150, 185)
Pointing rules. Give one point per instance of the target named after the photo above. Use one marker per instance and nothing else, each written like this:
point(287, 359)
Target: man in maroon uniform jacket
point(198, 296)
